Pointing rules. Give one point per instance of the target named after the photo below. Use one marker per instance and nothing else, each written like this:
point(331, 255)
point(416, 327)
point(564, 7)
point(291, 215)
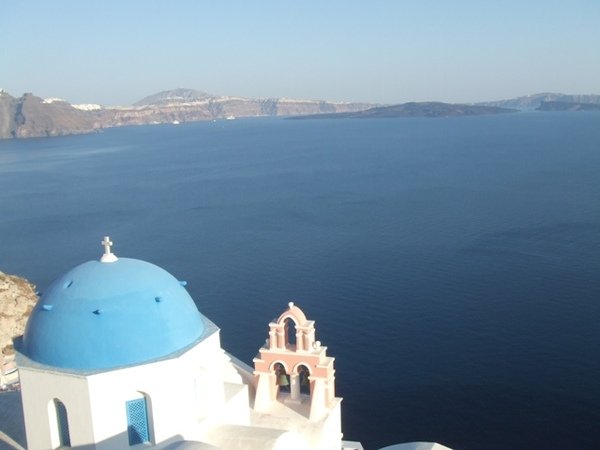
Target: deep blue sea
point(452, 265)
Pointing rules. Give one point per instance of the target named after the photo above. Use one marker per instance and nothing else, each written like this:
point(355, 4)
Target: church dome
point(111, 313)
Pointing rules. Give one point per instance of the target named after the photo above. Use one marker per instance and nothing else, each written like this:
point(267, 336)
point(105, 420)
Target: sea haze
point(451, 265)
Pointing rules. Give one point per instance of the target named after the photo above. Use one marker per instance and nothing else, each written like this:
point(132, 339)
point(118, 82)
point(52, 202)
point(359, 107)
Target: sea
point(451, 265)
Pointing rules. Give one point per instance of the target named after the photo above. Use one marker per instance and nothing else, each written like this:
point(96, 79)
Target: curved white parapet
point(416, 446)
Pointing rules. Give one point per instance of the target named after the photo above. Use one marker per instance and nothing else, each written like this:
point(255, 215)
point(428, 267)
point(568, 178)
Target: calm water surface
point(452, 265)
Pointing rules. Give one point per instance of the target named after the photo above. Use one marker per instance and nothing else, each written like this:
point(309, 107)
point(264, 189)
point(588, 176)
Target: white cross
point(107, 243)
point(108, 256)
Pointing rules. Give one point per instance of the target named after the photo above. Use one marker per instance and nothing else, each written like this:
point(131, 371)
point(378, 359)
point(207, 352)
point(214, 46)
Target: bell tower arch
point(294, 368)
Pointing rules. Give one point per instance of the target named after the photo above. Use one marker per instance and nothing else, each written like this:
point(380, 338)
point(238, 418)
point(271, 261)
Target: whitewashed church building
point(116, 355)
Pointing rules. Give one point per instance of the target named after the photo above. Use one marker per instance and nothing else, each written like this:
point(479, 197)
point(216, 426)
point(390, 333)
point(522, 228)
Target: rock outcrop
point(17, 299)
point(31, 116)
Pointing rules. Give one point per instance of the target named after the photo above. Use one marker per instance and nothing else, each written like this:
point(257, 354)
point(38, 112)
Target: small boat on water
point(230, 118)
point(175, 122)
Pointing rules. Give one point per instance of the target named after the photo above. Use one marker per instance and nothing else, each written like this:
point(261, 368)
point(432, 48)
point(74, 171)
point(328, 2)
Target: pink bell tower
point(292, 359)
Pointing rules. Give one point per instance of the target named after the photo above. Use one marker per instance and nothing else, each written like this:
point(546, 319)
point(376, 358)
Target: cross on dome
point(108, 256)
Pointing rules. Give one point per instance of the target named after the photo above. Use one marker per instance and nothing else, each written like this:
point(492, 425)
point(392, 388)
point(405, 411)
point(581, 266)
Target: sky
point(115, 52)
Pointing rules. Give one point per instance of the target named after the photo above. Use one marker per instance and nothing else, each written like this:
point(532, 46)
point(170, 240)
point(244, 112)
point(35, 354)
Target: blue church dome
point(103, 315)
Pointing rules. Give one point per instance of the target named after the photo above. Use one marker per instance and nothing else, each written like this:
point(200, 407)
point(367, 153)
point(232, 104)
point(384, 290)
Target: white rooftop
point(417, 446)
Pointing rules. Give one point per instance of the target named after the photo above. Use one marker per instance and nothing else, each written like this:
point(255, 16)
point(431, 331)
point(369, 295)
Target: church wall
point(332, 431)
point(39, 389)
point(207, 364)
point(237, 407)
point(179, 391)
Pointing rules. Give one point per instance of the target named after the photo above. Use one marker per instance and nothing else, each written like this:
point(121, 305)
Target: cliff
point(30, 116)
point(17, 299)
point(187, 105)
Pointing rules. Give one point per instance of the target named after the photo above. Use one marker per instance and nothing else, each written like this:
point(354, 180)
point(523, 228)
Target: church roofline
point(23, 361)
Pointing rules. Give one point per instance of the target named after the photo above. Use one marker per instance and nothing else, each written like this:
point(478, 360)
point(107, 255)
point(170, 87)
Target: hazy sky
point(118, 51)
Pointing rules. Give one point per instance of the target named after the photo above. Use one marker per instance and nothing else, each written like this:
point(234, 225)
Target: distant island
point(413, 109)
point(535, 101)
point(32, 116)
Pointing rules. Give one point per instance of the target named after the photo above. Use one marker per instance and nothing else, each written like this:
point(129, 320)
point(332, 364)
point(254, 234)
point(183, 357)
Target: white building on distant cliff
point(116, 355)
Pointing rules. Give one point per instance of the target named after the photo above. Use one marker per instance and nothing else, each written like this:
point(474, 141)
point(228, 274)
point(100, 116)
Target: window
point(62, 419)
point(137, 421)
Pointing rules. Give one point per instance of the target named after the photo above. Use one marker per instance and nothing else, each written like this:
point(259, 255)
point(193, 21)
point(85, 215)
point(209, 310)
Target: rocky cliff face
point(31, 116)
point(220, 108)
point(7, 115)
point(17, 299)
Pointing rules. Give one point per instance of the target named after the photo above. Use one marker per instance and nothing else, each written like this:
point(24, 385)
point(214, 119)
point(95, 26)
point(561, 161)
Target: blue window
point(63, 424)
point(137, 421)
